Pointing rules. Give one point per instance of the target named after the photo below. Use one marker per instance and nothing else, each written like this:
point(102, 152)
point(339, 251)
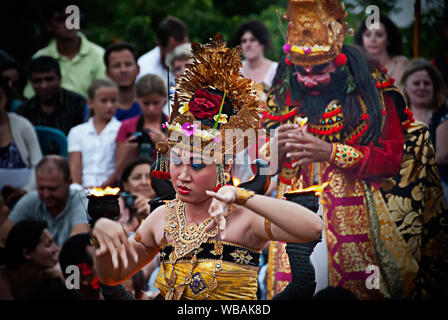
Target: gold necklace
point(186, 239)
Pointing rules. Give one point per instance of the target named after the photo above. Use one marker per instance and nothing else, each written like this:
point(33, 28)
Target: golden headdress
point(212, 96)
point(316, 31)
point(213, 74)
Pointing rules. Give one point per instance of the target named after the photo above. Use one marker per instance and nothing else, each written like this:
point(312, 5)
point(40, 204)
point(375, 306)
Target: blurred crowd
point(79, 116)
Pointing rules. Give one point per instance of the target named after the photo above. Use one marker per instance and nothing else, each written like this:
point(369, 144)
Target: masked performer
point(199, 260)
point(353, 140)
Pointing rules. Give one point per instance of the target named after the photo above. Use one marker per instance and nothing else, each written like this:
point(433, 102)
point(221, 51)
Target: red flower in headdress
point(341, 60)
point(204, 104)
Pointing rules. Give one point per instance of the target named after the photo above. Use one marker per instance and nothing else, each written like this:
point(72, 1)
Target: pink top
point(128, 127)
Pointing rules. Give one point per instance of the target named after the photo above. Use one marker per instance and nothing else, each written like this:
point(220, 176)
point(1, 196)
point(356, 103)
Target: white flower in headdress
point(222, 118)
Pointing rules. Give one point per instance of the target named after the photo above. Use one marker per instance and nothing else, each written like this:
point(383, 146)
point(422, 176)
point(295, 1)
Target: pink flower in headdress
point(189, 129)
point(286, 48)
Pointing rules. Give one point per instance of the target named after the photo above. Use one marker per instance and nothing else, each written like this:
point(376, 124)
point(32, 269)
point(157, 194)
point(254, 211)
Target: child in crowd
point(138, 136)
point(91, 145)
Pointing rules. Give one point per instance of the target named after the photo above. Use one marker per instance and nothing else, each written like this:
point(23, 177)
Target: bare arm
point(294, 223)
point(75, 161)
point(118, 257)
point(441, 143)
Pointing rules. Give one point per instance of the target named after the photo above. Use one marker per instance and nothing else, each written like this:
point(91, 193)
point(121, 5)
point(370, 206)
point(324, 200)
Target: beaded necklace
point(186, 240)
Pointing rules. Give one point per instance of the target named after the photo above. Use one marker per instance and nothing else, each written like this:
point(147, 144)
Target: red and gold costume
point(360, 228)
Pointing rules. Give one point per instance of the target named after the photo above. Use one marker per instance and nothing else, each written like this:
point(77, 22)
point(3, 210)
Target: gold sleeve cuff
point(346, 156)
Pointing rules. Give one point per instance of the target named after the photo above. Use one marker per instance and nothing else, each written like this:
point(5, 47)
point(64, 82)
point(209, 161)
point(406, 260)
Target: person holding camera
point(138, 136)
point(136, 191)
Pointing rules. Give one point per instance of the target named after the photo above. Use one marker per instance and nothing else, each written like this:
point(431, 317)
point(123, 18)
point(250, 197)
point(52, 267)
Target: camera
point(146, 146)
point(128, 199)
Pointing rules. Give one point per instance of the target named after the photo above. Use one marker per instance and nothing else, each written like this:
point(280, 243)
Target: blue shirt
point(31, 207)
point(133, 111)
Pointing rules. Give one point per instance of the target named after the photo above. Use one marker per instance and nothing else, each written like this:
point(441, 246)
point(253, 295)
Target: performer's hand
point(283, 135)
point(307, 148)
point(112, 238)
point(219, 208)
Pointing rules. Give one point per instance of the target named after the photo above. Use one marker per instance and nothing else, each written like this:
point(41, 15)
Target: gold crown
point(316, 31)
point(215, 69)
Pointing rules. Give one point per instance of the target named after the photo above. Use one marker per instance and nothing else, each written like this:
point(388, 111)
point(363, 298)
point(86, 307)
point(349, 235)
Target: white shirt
point(98, 150)
point(151, 63)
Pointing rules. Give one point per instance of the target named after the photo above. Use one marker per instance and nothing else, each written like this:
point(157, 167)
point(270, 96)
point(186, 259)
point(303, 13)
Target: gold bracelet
point(242, 195)
point(267, 228)
point(333, 152)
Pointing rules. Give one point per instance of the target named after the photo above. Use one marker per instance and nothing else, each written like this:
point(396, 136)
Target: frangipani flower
point(302, 121)
point(222, 118)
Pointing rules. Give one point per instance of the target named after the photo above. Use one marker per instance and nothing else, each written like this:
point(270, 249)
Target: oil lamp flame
point(236, 181)
point(318, 189)
point(99, 192)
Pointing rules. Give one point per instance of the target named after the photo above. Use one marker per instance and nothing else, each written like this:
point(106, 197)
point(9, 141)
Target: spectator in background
point(135, 286)
point(62, 208)
point(254, 39)
point(30, 256)
point(177, 59)
point(170, 33)
point(14, 73)
point(121, 67)
point(138, 136)
point(81, 60)
point(424, 89)
point(383, 45)
point(91, 145)
point(52, 106)
point(136, 190)
point(19, 150)
point(77, 251)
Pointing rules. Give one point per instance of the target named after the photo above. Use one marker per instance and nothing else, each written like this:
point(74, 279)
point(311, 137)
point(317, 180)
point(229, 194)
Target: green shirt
point(78, 73)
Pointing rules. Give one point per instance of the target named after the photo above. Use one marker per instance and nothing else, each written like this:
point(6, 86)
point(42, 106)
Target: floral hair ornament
point(210, 97)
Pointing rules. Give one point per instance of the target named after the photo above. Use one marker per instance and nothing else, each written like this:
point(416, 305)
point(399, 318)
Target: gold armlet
point(333, 152)
point(267, 228)
point(242, 195)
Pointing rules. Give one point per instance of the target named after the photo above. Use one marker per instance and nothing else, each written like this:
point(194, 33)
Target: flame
point(99, 192)
point(236, 181)
point(318, 189)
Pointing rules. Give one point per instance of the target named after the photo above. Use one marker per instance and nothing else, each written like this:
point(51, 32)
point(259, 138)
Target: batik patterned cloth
point(236, 278)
